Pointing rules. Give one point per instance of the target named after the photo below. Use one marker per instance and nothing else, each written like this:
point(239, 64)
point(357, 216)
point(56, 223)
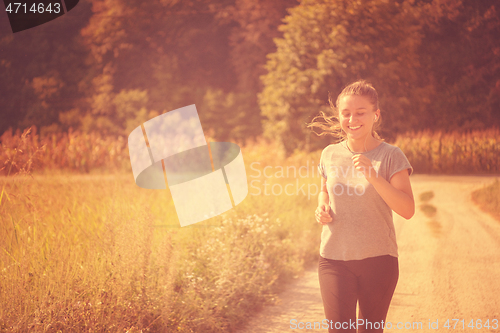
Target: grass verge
point(488, 199)
point(96, 253)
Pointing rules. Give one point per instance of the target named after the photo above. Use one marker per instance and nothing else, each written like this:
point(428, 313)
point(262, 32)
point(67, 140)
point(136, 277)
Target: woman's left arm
point(397, 193)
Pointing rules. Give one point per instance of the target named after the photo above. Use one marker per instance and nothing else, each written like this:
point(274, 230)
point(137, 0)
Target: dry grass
point(68, 151)
point(488, 198)
point(96, 253)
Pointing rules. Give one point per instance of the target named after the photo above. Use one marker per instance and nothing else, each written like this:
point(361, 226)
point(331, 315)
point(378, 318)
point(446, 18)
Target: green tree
point(177, 52)
point(330, 43)
point(173, 50)
point(461, 53)
point(185, 52)
point(253, 24)
point(40, 70)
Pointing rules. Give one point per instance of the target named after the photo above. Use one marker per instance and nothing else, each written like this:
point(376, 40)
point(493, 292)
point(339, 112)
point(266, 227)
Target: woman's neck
point(362, 145)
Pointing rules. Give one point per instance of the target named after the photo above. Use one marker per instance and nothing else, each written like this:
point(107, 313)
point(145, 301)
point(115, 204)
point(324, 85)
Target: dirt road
point(449, 269)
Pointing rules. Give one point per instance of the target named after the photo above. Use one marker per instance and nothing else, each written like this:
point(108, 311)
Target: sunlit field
point(97, 253)
point(94, 252)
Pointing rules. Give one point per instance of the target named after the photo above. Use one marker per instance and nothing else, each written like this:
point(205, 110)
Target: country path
point(449, 269)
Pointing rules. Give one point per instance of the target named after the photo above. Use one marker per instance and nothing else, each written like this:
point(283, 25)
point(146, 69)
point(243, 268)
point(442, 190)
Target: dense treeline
point(435, 64)
point(109, 65)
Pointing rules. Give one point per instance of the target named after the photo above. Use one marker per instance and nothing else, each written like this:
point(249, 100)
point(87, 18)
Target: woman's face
point(356, 116)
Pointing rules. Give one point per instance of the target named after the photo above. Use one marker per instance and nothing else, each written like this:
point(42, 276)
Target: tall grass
point(70, 151)
point(96, 253)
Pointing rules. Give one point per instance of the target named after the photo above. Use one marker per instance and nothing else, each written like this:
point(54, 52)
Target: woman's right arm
point(323, 211)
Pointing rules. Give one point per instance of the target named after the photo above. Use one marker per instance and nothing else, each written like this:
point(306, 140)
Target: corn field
point(428, 152)
point(72, 150)
point(452, 153)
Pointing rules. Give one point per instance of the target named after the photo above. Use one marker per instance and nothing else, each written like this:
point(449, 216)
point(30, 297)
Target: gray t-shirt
point(362, 224)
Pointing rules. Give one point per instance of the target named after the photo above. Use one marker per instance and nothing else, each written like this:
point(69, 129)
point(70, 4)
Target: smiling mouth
point(353, 128)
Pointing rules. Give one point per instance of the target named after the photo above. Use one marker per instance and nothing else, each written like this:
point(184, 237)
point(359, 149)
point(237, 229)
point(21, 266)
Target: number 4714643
point(35, 8)
point(472, 324)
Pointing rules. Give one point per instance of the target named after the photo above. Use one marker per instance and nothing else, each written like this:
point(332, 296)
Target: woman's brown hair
point(331, 125)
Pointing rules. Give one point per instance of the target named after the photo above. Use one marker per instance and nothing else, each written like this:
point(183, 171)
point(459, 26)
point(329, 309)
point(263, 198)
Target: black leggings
point(370, 281)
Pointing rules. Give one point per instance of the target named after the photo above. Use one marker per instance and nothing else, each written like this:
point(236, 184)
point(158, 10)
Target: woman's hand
point(364, 165)
point(323, 214)
point(396, 193)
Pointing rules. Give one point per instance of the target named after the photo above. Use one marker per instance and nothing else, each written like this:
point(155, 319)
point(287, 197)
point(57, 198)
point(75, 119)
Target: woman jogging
point(363, 180)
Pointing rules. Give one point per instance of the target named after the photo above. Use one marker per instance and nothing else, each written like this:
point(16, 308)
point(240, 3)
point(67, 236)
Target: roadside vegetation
point(488, 198)
point(82, 248)
point(94, 252)
point(473, 152)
